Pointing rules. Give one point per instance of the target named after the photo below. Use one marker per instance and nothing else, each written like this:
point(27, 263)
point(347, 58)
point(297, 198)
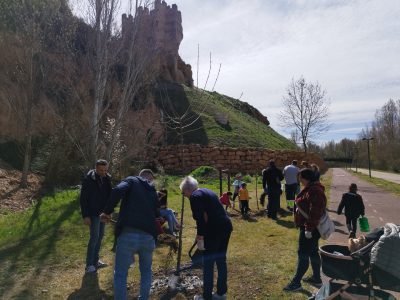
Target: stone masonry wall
point(184, 159)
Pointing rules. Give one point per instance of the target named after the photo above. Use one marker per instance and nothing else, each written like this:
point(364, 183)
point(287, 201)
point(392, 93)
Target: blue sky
point(352, 48)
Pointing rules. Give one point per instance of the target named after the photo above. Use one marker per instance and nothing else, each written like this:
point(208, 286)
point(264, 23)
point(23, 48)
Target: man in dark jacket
point(354, 207)
point(272, 177)
point(213, 232)
point(137, 220)
point(96, 188)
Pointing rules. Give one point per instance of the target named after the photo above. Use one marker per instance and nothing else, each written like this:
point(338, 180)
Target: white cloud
point(351, 47)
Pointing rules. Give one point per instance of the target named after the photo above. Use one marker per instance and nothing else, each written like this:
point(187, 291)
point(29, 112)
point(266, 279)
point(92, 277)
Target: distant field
point(42, 251)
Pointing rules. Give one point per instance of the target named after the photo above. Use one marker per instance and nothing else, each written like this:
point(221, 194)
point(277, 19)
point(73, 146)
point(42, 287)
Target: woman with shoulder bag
point(311, 202)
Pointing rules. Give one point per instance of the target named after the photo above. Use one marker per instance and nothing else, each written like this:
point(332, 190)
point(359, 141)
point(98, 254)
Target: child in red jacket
point(225, 199)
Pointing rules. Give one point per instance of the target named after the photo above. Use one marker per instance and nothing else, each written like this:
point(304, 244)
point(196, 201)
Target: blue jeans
point(170, 216)
point(308, 252)
point(129, 244)
point(96, 236)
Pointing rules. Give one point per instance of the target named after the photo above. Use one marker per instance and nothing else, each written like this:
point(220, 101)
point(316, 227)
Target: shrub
point(204, 171)
point(247, 178)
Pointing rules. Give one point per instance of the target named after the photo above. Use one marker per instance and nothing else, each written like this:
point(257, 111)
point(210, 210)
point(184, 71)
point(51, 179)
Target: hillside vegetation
point(241, 128)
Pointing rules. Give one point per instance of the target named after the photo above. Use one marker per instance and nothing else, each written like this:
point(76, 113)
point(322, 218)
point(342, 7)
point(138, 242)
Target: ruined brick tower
point(160, 31)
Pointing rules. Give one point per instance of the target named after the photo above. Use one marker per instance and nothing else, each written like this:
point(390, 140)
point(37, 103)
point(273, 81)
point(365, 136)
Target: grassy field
point(42, 251)
point(382, 183)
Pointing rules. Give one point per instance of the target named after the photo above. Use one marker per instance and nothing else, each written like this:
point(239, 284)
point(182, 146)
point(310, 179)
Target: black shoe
point(352, 235)
point(293, 287)
point(315, 282)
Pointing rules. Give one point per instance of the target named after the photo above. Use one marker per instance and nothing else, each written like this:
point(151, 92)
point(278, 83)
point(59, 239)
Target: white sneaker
point(101, 264)
point(215, 296)
point(90, 269)
point(198, 297)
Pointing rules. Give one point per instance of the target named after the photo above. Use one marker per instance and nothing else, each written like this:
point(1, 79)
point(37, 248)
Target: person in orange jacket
point(244, 199)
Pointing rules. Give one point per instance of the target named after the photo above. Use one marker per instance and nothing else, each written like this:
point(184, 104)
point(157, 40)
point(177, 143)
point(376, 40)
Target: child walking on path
point(353, 207)
point(244, 199)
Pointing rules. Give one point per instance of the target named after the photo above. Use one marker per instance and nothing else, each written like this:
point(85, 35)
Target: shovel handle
point(191, 249)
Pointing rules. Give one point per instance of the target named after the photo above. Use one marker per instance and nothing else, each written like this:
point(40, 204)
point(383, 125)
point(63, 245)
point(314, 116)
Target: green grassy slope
point(242, 130)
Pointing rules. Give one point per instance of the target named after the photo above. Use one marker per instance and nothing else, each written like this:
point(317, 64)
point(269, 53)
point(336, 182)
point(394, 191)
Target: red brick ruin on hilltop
point(160, 29)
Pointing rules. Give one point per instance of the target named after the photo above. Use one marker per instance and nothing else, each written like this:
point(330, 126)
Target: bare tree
point(24, 66)
point(306, 109)
point(137, 75)
point(182, 123)
point(102, 18)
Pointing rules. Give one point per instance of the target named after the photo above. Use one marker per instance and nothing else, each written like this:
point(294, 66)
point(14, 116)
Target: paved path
point(380, 174)
point(380, 207)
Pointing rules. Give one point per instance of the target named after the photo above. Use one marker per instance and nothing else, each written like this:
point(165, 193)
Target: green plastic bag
point(364, 225)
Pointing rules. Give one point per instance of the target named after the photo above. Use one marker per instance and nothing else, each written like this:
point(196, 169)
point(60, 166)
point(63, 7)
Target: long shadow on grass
point(284, 223)
point(90, 289)
point(26, 248)
point(305, 292)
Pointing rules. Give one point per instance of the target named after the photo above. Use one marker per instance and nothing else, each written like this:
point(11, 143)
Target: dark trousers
point(274, 198)
point(290, 191)
point(216, 246)
point(308, 251)
point(235, 194)
point(351, 223)
point(244, 206)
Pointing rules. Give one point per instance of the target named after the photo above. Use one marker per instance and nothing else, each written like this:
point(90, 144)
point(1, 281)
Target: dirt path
point(381, 207)
point(383, 175)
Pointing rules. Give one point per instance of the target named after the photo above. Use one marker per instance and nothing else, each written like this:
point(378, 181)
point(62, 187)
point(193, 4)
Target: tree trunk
point(28, 145)
point(305, 145)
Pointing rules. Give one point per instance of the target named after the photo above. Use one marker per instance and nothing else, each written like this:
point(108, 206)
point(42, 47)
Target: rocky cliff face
point(160, 31)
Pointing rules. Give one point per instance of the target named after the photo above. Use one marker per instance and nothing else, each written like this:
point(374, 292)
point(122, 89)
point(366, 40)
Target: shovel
point(196, 257)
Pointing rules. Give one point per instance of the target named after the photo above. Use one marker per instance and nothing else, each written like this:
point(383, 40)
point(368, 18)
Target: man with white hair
point(213, 232)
